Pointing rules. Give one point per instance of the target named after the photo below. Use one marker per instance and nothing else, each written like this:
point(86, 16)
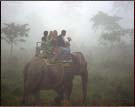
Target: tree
point(14, 33)
point(112, 32)
point(109, 23)
point(125, 9)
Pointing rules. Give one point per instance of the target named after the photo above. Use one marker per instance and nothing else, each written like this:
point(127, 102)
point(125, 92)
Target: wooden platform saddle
point(64, 64)
point(48, 61)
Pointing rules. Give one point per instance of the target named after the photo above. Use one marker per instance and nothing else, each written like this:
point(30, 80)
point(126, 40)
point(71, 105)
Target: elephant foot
point(57, 101)
point(39, 103)
point(65, 103)
point(25, 101)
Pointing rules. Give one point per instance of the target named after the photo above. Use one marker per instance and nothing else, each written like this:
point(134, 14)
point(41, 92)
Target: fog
point(73, 16)
point(107, 64)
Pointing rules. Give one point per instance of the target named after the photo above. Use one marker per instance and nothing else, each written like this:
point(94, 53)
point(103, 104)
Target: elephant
point(39, 76)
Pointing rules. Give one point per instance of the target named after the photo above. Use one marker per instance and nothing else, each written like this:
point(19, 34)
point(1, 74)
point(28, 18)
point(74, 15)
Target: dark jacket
point(43, 39)
point(60, 41)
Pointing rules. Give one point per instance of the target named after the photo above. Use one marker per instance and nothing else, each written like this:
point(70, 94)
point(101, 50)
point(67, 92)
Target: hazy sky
point(73, 16)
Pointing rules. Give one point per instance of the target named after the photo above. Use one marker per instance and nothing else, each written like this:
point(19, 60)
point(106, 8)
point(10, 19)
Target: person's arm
point(58, 41)
point(42, 39)
point(64, 43)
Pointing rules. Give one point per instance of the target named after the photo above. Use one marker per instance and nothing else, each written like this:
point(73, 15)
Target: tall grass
point(110, 82)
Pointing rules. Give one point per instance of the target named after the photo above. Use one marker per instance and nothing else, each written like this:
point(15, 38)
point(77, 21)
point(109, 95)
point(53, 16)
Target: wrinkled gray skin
point(39, 77)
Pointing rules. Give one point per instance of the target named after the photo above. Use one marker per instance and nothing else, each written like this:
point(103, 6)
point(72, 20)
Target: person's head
point(45, 33)
point(51, 33)
point(55, 32)
point(63, 32)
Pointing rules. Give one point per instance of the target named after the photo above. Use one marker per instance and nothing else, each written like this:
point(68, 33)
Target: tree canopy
point(14, 33)
point(106, 21)
point(112, 32)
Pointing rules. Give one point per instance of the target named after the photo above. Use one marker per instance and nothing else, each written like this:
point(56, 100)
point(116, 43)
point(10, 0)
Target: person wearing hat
point(68, 42)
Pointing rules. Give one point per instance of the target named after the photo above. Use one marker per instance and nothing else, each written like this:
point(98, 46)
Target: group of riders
point(55, 46)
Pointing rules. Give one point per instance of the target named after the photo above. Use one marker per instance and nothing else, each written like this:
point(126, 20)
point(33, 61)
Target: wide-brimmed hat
point(69, 38)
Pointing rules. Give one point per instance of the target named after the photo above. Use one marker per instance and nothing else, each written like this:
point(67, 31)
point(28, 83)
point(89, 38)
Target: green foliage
point(110, 82)
point(112, 32)
point(108, 22)
point(14, 33)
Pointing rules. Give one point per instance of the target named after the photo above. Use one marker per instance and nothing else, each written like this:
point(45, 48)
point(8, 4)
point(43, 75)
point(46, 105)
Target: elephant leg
point(68, 90)
point(37, 97)
point(25, 99)
point(60, 95)
point(84, 85)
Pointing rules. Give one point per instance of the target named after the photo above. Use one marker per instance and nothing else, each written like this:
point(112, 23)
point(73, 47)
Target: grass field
point(110, 84)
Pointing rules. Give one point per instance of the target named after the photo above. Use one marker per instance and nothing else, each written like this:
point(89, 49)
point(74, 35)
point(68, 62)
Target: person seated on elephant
point(61, 44)
point(54, 42)
point(44, 39)
point(68, 42)
point(60, 39)
point(49, 44)
point(43, 42)
point(50, 36)
point(67, 54)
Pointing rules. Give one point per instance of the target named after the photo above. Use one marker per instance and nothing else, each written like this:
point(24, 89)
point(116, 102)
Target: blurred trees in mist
point(111, 31)
point(111, 70)
point(14, 33)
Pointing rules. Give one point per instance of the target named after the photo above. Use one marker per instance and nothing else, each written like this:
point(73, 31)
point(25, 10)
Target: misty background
point(112, 63)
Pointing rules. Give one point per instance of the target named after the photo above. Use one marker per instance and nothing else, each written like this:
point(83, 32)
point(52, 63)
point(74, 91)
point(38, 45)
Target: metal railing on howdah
point(38, 43)
point(38, 48)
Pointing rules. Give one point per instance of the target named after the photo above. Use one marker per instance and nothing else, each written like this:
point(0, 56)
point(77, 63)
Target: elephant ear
point(34, 74)
point(38, 71)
